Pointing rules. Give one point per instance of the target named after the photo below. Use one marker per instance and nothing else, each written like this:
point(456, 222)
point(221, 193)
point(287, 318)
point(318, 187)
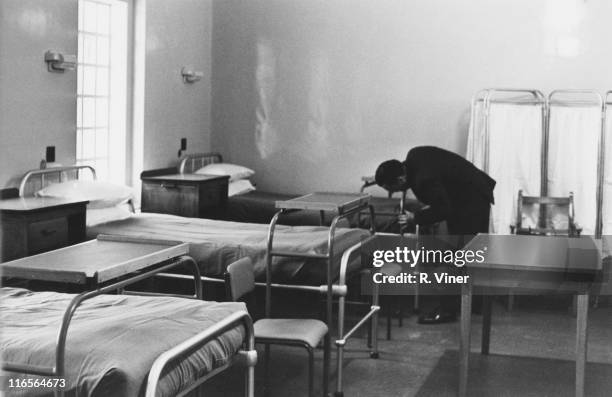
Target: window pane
point(101, 112)
point(89, 143)
point(89, 112)
point(102, 49)
point(102, 81)
point(103, 18)
point(89, 80)
point(101, 143)
point(89, 48)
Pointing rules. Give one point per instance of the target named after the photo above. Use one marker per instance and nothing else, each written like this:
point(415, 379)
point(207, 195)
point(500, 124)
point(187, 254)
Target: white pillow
point(100, 194)
point(239, 187)
point(235, 172)
point(99, 216)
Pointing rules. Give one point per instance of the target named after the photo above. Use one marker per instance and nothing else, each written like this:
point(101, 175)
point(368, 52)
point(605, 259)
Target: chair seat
point(391, 269)
point(308, 331)
point(388, 269)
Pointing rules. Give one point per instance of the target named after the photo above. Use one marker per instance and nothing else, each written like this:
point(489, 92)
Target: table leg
point(486, 323)
point(464, 345)
point(581, 341)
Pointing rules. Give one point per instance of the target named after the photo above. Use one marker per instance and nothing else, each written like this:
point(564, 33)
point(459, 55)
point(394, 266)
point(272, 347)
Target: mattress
point(259, 207)
point(113, 339)
point(215, 244)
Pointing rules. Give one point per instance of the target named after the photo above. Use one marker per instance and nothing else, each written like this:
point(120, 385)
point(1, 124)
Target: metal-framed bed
point(246, 356)
point(192, 162)
point(46, 176)
point(329, 290)
point(259, 206)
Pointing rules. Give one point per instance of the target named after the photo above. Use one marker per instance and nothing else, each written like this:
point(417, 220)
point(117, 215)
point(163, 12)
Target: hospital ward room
point(273, 198)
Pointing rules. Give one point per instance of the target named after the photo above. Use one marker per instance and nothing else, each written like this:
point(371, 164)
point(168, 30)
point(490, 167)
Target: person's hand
point(405, 218)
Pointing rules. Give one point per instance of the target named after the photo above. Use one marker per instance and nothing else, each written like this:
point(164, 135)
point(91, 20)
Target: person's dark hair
point(388, 173)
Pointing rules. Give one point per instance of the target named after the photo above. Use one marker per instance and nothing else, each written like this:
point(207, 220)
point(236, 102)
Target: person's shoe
point(438, 316)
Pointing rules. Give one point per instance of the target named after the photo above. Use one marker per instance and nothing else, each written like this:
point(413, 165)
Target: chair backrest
point(553, 215)
point(239, 278)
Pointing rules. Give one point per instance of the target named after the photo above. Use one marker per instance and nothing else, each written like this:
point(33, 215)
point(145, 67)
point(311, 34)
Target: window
point(102, 87)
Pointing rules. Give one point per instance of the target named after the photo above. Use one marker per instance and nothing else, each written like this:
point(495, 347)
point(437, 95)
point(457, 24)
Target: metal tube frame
point(607, 100)
point(329, 288)
point(183, 349)
point(60, 171)
point(190, 163)
point(248, 355)
point(488, 98)
point(598, 102)
point(372, 314)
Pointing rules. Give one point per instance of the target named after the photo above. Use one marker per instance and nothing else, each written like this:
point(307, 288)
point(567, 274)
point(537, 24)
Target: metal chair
point(554, 216)
point(306, 333)
point(548, 211)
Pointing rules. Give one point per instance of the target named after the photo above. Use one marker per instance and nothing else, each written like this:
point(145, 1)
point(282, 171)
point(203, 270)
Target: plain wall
point(37, 108)
point(178, 33)
point(315, 94)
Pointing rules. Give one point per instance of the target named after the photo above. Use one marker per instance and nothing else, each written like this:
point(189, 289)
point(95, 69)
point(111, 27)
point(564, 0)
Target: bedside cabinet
point(190, 195)
point(31, 225)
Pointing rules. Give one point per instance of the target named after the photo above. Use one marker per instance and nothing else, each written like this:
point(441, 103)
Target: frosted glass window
point(101, 81)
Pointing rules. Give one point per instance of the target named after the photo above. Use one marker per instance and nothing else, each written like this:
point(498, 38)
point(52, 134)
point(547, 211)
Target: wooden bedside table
point(190, 195)
point(31, 225)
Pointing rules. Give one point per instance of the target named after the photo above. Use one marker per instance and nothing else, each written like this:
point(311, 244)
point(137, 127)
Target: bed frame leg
point(326, 362)
point(267, 370)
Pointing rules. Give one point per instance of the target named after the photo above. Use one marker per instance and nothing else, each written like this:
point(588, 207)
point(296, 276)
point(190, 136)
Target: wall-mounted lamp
point(58, 62)
point(190, 75)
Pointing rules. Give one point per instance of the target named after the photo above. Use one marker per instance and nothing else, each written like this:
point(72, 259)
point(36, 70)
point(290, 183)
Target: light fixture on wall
point(190, 75)
point(58, 62)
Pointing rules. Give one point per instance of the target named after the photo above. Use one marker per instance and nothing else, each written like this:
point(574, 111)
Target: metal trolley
point(344, 205)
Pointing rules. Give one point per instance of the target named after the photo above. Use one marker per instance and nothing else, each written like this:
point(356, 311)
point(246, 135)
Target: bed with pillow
point(247, 204)
point(115, 342)
point(214, 244)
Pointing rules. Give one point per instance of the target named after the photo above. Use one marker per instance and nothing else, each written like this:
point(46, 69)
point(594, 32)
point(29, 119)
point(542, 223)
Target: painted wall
point(178, 33)
point(314, 94)
point(37, 108)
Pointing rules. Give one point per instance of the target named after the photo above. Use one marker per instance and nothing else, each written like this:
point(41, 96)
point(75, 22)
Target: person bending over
point(453, 190)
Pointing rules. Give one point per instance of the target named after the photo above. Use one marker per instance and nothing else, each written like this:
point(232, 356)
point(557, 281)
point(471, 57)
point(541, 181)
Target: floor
point(531, 352)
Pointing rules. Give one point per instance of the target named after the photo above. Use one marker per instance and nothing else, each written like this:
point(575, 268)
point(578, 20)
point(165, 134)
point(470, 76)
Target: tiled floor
point(420, 360)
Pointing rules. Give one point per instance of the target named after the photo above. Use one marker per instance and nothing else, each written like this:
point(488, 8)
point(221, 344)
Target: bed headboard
point(193, 162)
point(34, 180)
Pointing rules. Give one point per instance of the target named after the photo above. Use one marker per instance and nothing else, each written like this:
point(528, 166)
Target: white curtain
point(572, 159)
point(514, 153)
point(607, 186)
point(476, 136)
